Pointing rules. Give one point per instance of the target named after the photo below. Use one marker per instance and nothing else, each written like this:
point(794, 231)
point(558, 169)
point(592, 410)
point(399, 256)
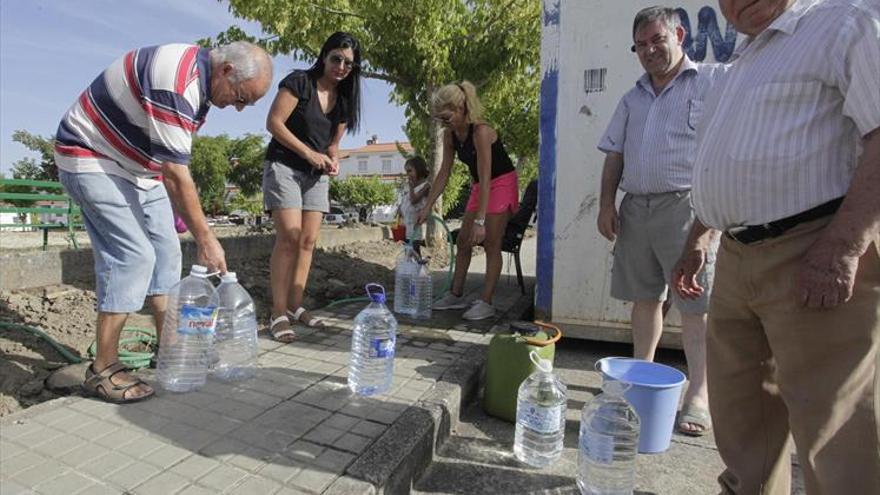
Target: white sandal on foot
point(311, 323)
point(285, 335)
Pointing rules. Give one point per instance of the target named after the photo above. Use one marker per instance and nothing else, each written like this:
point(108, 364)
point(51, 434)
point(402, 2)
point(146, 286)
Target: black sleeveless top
point(467, 153)
point(307, 122)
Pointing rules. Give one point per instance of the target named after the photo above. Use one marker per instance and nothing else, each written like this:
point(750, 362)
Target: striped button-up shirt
point(784, 125)
point(140, 112)
point(656, 133)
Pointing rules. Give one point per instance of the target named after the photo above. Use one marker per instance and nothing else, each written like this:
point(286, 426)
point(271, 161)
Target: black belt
point(755, 233)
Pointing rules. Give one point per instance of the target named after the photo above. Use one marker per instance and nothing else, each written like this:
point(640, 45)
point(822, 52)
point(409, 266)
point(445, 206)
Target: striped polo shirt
point(141, 112)
point(656, 133)
point(784, 126)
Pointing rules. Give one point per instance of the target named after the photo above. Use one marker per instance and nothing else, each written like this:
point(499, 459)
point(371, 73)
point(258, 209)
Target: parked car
point(383, 214)
point(336, 216)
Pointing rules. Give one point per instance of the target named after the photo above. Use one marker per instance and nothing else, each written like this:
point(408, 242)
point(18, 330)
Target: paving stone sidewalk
point(295, 428)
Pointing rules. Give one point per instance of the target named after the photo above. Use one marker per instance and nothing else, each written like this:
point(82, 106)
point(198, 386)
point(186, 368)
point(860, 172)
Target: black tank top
point(467, 153)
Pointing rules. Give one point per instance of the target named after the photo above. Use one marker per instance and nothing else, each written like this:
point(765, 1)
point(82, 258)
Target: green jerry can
point(509, 364)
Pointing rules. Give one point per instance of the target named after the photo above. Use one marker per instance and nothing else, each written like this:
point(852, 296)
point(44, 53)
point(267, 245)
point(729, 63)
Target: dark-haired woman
point(311, 112)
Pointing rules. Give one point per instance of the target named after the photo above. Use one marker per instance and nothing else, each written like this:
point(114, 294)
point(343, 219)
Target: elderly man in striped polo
point(788, 167)
point(650, 145)
point(133, 125)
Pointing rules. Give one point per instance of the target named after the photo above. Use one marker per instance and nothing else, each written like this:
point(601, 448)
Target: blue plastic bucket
point(654, 392)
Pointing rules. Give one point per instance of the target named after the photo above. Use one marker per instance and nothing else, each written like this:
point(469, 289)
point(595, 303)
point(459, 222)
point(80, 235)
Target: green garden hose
point(447, 283)
point(131, 359)
point(67, 355)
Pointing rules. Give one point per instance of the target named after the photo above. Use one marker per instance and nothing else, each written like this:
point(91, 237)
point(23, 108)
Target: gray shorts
point(286, 187)
point(653, 230)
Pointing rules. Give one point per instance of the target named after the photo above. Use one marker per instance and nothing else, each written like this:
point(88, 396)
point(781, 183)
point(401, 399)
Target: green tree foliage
point(218, 160)
point(246, 155)
point(367, 192)
point(419, 46)
point(30, 168)
point(209, 168)
point(251, 204)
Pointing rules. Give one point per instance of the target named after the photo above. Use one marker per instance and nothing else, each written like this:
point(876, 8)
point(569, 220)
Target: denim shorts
point(287, 187)
point(136, 249)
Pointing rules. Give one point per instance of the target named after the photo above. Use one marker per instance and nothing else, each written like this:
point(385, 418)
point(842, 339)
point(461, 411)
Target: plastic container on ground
point(540, 416)
point(608, 443)
point(188, 334)
point(421, 291)
point(654, 392)
point(235, 339)
point(373, 341)
point(404, 274)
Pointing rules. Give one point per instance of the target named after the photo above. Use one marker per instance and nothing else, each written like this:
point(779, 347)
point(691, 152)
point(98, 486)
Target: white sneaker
point(480, 310)
point(451, 301)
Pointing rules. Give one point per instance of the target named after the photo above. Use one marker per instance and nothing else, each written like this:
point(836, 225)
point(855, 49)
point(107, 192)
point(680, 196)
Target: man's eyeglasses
point(337, 59)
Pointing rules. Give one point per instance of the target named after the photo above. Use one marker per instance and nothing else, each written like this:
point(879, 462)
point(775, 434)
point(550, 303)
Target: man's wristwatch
point(480, 221)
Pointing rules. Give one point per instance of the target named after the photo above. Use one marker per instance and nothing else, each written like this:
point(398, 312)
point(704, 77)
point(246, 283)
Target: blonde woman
point(494, 195)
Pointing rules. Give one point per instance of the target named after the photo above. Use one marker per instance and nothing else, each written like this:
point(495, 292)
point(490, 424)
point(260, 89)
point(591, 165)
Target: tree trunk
point(436, 235)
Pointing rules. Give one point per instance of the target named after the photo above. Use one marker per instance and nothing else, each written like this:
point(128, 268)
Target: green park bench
point(40, 191)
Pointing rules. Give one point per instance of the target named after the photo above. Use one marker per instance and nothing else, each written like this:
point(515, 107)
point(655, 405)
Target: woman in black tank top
point(494, 192)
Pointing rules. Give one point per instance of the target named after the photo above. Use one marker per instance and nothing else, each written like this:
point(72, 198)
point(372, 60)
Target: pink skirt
point(503, 195)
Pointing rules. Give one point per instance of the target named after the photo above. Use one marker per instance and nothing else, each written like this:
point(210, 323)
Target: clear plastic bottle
point(372, 346)
point(422, 291)
point(608, 443)
point(404, 272)
point(188, 333)
point(540, 416)
point(236, 337)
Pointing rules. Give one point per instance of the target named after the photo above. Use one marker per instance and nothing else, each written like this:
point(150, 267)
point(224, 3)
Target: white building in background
point(375, 159)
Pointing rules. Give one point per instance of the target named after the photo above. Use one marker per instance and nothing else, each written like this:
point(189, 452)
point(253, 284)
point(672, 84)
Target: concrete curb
point(398, 458)
point(23, 269)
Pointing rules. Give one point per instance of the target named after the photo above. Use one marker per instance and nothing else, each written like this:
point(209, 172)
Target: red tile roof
point(377, 148)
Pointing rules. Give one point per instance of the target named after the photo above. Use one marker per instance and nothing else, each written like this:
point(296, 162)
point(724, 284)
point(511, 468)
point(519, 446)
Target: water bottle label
point(597, 446)
point(197, 320)
point(382, 348)
point(539, 418)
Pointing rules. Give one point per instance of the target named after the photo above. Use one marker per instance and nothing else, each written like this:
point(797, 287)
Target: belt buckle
point(734, 231)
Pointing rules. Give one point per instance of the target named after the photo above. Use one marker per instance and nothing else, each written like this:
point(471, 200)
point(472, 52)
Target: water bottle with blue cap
point(540, 416)
point(372, 346)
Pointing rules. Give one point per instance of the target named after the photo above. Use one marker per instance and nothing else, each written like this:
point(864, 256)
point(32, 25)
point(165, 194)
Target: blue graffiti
point(707, 30)
point(551, 16)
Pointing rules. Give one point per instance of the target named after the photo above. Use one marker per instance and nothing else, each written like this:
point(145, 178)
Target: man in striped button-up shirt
point(650, 145)
point(794, 326)
point(133, 125)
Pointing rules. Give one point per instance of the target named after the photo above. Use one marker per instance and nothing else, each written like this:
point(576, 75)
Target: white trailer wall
point(587, 66)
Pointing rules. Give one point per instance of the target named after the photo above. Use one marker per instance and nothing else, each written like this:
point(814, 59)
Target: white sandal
point(312, 323)
point(281, 334)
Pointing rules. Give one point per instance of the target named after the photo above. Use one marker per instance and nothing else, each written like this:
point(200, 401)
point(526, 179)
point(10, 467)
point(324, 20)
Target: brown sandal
point(101, 386)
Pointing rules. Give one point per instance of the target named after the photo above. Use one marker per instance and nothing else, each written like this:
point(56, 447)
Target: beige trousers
point(777, 370)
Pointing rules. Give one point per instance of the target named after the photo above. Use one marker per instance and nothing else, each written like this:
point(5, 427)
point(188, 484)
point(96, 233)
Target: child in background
point(414, 197)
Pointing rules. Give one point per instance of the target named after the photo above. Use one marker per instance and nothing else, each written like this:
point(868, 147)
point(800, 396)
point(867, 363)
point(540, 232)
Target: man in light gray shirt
point(650, 145)
point(788, 167)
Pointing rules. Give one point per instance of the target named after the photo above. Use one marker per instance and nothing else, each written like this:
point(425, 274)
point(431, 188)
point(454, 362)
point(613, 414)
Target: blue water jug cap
point(375, 295)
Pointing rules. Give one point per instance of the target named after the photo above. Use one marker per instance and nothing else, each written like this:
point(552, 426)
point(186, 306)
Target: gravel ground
point(67, 314)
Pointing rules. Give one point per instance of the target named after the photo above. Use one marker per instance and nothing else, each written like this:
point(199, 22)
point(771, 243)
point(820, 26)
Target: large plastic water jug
point(540, 416)
point(404, 272)
point(373, 342)
point(187, 337)
point(236, 336)
point(509, 364)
